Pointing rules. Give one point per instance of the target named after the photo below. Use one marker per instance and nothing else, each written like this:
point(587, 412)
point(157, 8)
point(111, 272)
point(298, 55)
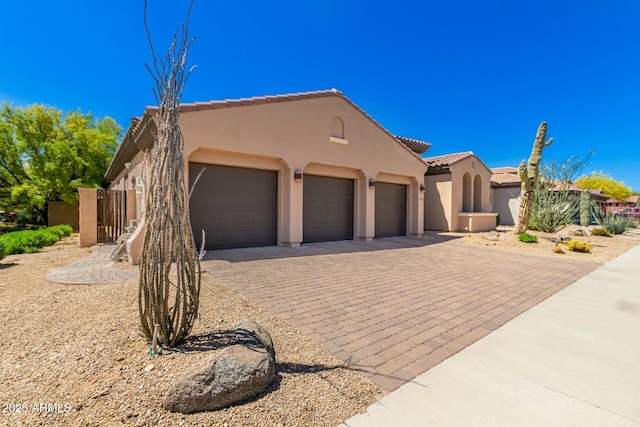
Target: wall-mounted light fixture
point(422, 188)
point(372, 183)
point(297, 175)
point(127, 165)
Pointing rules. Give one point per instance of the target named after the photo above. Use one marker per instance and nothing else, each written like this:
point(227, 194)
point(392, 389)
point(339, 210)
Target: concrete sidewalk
point(573, 360)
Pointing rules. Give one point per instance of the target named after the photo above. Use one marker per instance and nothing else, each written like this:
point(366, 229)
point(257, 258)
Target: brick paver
point(393, 308)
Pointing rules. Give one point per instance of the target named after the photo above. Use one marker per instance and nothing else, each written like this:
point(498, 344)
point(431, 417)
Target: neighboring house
point(613, 205)
point(458, 194)
point(285, 170)
point(505, 190)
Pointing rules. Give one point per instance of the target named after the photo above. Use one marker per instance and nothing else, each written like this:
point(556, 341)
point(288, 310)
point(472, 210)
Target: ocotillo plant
point(169, 286)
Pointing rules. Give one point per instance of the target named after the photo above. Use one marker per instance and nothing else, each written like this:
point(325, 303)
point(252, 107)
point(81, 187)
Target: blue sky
point(463, 75)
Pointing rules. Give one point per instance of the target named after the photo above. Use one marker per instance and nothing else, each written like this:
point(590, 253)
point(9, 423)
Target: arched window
point(466, 193)
point(337, 127)
point(477, 194)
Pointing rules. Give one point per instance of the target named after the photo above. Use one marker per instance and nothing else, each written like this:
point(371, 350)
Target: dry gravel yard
point(604, 248)
point(77, 346)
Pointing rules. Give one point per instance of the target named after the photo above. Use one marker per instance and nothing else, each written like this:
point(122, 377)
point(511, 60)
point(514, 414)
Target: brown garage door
point(328, 209)
point(391, 209)
point(236, 207)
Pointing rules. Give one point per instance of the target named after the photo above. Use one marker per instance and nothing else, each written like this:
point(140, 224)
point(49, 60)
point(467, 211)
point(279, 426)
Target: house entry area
point(236, 207)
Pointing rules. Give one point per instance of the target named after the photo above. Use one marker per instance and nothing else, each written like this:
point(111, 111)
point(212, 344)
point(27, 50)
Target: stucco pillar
point(290, 223)
point(88, 216)
point(366, 214)
point(416, 208)
point(132, 206)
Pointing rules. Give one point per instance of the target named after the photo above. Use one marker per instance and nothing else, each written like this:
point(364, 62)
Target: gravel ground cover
point(71, 355)
point(604, 248)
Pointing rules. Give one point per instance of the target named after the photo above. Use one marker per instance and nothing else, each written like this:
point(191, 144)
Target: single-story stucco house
point(301, 168)
point(284, 170)
point(505, 188)
point(458, 194)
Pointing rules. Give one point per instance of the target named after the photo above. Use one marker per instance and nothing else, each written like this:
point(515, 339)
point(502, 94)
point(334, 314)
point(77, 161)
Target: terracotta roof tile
point(416, 145)
point(505, 170)
point(446, 159)
point(505, 178)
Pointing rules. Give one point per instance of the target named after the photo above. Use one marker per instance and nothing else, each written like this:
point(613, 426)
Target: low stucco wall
point(474, 221)
point(63, 213)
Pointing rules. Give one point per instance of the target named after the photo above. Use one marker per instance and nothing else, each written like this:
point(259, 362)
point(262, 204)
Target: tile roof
point(505, 178)
point(416, 145)
point(505, 170)
point(256, 100)
point(446, 159)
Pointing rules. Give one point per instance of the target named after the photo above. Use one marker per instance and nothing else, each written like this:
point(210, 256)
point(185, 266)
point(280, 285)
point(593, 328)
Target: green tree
point(608, 185)
point(45, 155)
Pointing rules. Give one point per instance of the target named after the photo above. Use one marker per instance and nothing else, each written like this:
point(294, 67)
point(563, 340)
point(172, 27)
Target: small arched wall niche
point(466, 193)
point(337, 131)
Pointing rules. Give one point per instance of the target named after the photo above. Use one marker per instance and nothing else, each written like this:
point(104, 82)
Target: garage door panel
point(237, 207)
point(328, 209)
point(391, 209)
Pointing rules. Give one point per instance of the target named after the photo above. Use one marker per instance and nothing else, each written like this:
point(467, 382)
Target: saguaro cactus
point(585, 208)
point(528, 173)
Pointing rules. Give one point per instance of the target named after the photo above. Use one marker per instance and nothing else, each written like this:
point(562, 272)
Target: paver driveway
point(393, 308)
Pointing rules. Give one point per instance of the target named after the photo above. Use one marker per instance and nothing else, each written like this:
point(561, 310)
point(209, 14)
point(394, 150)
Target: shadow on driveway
point(325, 248)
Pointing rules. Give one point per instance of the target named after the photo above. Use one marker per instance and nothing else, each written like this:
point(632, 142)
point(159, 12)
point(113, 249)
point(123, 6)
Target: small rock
point(564, 237)
point(491, 235)
point(579, 232)
point(149, 368)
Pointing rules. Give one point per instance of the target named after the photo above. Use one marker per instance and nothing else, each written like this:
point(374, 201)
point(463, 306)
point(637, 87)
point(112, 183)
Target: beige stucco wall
point(88, 216)
point(63, 213)
point(437, 202)
point(506, 202)
point(126, 180)
point(445, 193)
point(297, 135)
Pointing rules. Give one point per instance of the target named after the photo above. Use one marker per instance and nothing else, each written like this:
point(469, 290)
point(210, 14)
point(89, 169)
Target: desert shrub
point(556, 203)
point(578, 246)
point(61, 230)
point(553, 209)
point(1, 250)
point(527, 238)
point(29, 241)
point(601, 232)
point(614, 223)
point(557, 250)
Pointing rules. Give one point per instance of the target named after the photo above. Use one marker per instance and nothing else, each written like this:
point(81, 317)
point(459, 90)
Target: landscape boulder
point(579, 232)
point(230, 375)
